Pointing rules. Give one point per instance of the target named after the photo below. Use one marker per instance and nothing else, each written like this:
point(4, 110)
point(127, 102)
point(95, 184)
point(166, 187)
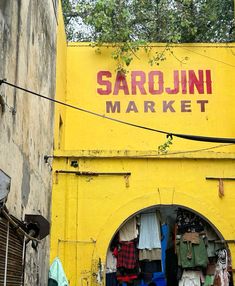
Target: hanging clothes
point(171, 267)
point(52, 282)
point(111, 262)
point(129, 230)
point(221, 271)
point(127, 255)
point(153, 254)
point(212, 246)
point(57, 275)
point(148, 268)
point(192, 255)
point(165, 235)
point(190, 278)
point(209, 280)
point(188, 222)
point(127, 278)
point(111, 279)
point(150, 234)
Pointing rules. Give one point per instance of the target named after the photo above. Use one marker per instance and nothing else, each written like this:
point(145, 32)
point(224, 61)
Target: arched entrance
point(184, 246)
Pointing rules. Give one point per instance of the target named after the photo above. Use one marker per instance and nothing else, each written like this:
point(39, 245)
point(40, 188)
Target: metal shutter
point(11, 255)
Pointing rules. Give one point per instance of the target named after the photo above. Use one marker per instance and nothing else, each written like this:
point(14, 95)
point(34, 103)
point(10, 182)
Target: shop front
point(168, 245)
point(98, 213)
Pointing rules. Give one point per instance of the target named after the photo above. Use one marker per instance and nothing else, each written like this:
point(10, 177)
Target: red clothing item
point(127, 278)
point(127, 255)
point(115, 252)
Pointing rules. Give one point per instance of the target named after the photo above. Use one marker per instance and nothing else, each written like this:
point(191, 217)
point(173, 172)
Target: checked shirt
point(127, 255)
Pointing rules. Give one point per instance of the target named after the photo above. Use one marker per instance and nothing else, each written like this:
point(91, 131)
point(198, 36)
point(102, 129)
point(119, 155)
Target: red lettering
point(106, 83)
point(120, 84)
point(175, 90)
point(138, 83)
point(152, 89)
point(184, 82)
point(208, 82)
point(194, 81)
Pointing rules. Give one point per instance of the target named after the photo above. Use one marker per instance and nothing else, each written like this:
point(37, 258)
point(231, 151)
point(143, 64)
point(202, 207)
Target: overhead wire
point(169, 134)
point(188, 151)
point(208, 57)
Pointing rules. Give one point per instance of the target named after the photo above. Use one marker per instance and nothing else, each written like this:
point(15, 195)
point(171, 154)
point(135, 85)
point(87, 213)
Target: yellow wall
point(93, 208)
point(61, 79)
point(87, 209)
point(218, 120)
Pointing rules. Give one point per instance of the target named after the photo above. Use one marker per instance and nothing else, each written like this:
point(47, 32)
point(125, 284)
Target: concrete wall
point(27, 58)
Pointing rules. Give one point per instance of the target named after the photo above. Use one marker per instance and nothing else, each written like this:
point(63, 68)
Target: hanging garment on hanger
point(150, 234)
point(153, 254)
point(127, 278)
point(190, 278)
point(57, 274)
point(128, 231)
point(111, 262)
point(188, 222)
point(127, 255)
point(221, 271)
point(192, 237)
point(150, 267)
point(192, 255)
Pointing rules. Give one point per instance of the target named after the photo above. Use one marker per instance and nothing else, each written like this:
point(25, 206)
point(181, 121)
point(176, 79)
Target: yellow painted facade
point(105, 171)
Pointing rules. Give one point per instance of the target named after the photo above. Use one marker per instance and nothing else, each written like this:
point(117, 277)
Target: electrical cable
point(18, 228)
point(188, 151)
point(169, 134)
point(208, 57)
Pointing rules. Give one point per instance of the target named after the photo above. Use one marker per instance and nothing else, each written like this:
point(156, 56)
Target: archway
point(160, 198)
point(190, 247)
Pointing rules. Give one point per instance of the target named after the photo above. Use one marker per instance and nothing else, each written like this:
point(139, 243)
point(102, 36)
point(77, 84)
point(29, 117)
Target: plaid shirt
point(127, 255)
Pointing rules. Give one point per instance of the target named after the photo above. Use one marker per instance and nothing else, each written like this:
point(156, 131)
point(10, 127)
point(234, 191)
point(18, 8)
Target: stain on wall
point(25, 187)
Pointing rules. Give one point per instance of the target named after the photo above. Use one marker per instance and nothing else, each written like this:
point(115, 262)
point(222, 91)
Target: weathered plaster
point(27, 58)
